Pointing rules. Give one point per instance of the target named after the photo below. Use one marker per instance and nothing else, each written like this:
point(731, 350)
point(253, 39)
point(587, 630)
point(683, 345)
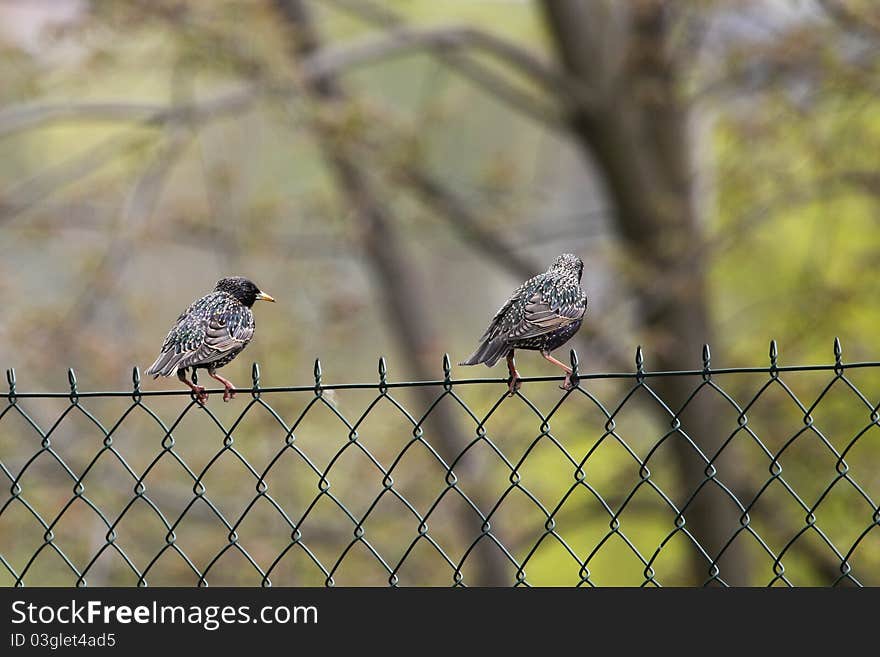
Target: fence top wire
point(638, 374)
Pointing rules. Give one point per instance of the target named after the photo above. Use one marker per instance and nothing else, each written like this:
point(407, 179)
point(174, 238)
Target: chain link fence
point(348, 484)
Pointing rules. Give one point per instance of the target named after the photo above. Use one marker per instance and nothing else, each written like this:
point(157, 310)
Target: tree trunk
point(636, 129)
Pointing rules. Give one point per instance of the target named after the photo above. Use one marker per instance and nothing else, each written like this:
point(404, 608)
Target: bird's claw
point(568, 384)
point(228, 394)
point(200, 394)
point(514, 385)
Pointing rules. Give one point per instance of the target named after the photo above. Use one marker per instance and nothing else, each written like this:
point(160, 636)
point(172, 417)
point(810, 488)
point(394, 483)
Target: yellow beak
point(262, 296)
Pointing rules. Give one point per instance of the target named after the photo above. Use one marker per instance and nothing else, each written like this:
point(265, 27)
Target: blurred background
point(389, 172)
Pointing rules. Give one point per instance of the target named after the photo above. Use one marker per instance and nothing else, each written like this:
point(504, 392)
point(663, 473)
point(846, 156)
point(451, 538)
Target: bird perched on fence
point(542, 314)
point(210, 333)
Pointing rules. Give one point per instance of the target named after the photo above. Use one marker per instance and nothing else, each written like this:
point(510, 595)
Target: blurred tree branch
point(449, 38)
point(139, 207)
point(18, 118)
point(381, 17)
point(458, 213)
point(329, 61)
point(444, 41)
point(24, 196)
point(852, 20)
point(108, 271)
point(317, 66)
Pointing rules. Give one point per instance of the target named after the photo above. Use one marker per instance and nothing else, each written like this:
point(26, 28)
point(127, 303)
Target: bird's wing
point(208, 330)
point(541, 315)
point(501, 320)
point(223, 334)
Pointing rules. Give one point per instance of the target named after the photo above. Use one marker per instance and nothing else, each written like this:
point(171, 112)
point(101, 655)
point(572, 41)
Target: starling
point(541, 315)
point(210, 333)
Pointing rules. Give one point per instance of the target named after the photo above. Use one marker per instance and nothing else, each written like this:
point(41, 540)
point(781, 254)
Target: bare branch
point(849, 19)
point(442, 40)
point(18, 118)
point(139, 206)
point(328, 61)
point(487, 80)
point(464, 64)
point(443, 201)
point(30, 192)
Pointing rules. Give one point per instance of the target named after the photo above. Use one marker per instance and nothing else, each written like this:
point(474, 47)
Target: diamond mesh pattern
point(344, 484)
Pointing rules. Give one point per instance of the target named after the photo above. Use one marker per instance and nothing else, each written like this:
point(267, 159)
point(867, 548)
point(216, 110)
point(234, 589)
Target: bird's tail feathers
point(165, 365)
point(488, 352)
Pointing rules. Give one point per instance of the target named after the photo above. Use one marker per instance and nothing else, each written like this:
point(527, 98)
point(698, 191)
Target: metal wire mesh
point(293, 485)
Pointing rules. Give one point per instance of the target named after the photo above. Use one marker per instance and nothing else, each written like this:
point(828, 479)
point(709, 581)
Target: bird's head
point(242, 289)
point(568, 263)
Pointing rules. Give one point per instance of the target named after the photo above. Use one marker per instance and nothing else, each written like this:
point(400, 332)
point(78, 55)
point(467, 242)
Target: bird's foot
point(514, 384)
point(568, 384)
point(201, 394)
point(228, 393)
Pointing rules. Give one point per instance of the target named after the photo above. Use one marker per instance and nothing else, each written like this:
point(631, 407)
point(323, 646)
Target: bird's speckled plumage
point(542, 314)
point(212, 331)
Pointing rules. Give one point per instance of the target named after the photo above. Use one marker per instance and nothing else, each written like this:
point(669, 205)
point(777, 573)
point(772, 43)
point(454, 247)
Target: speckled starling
point(210, 333)
point(541, 315)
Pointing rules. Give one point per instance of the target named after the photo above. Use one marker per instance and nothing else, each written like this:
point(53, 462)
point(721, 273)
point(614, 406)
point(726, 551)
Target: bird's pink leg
point(515, 382)
point(201, 395)
point(229, 393)
point(566, 385)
